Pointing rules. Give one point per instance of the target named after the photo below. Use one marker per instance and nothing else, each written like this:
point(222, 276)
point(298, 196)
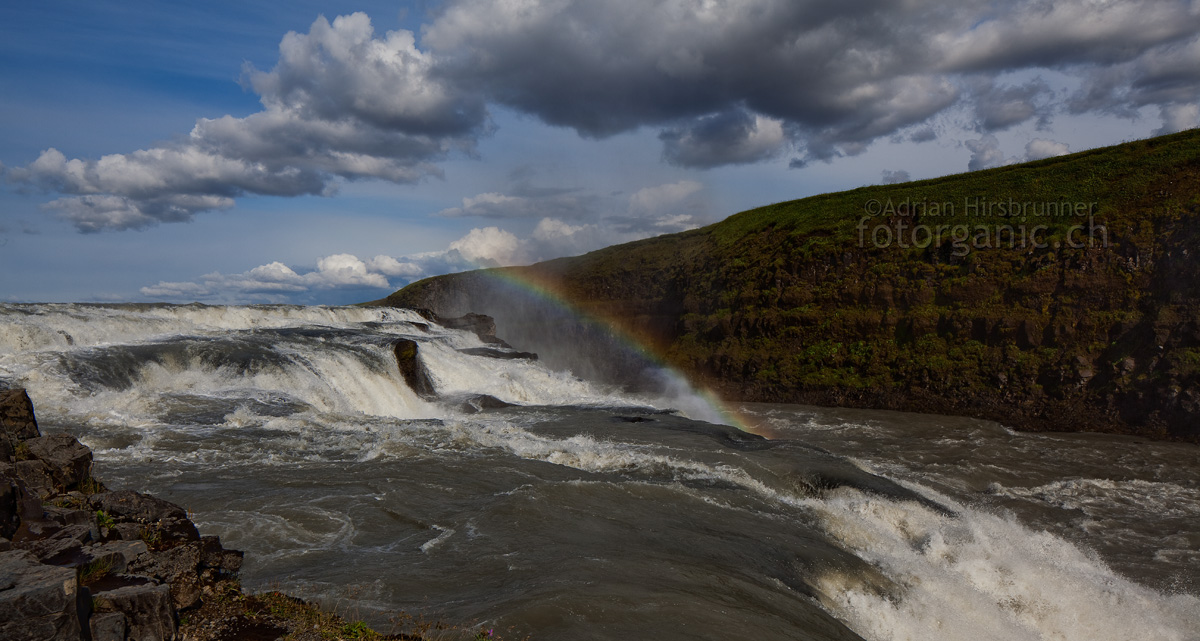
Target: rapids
point(587, 512)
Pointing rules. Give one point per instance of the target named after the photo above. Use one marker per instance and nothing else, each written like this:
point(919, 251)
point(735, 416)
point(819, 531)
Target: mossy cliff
point(1062, 294)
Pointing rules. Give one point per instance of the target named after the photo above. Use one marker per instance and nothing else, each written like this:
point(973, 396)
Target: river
point(581, 511)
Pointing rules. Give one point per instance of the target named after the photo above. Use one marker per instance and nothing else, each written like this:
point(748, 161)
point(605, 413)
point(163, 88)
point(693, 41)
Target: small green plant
point(90, 486)
point(357, 630)
point(151, 537)
point(104, 520)
point(89, 573)
point(22, 452)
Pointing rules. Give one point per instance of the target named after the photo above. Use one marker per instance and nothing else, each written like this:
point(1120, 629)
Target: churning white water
point(583, 512)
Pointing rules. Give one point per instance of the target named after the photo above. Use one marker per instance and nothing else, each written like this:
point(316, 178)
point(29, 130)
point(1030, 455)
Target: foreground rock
point(37, 601)
point(79, 562)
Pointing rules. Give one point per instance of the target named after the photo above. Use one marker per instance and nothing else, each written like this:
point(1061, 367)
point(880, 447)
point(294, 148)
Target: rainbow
point(543, 290)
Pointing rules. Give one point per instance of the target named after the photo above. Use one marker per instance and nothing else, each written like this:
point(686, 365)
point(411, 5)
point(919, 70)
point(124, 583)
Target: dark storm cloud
point(924, 134)
point(835, 76)
point(999, 108)
point(732, 137)
point(834, 72)
point(1167, 77)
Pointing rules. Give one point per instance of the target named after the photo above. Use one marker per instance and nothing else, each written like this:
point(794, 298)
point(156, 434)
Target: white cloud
point(1178, 118)
point(340, 104)
point(277, 282)
point(171, 291)
point(483, 205)
point(986, 153)
point(489, 246)
point(391, 267)
point(345, 270)
point(551, 230)
point(650, 211)
point(341, 70)
point(653, 200)
point(1040, 148)
point(275, 272)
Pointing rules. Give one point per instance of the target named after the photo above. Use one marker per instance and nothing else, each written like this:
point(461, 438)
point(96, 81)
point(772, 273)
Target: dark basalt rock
point(107, 626)
point(411, 368)
point(8, 507)
point(215, 557)
point(505, 354)
point(145, 609)
point(132, 506)
point(70, 516)
point(125, 532)
point(36, 477)
point(481, 325)
point(16, 415)
point(138, 565)
point(67, 461)
point(53, 543)
point(17, 422)
point(477, 404)
point(17, 502)
point(118, 555)
point(39, 602)
point(177, 568)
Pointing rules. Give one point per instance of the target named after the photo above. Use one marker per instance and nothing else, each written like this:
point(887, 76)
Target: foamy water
point(586, 513)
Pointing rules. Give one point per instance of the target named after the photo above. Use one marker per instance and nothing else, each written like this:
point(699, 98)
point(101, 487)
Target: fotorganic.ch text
point(989, 224)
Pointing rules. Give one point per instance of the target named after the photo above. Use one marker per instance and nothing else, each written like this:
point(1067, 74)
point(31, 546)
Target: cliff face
point(1057, 295)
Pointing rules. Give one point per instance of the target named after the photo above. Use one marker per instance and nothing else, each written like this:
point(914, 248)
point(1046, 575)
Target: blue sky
point(161, 151)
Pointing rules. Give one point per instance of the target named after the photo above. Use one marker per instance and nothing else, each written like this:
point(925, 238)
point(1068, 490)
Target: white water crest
point(978, 576)
point(138, 364)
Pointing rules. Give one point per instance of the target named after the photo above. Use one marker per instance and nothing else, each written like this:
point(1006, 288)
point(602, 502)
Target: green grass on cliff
point(1130, 184)
point(1039, 319)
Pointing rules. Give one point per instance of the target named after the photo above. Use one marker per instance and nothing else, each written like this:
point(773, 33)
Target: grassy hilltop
point(1062, 294)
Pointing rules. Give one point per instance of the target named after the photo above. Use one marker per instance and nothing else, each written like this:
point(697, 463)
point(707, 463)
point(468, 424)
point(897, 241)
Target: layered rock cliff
point(1062, 294)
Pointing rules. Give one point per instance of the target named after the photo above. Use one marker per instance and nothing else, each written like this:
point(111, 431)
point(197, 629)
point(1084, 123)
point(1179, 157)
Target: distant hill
point(1062, 294)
